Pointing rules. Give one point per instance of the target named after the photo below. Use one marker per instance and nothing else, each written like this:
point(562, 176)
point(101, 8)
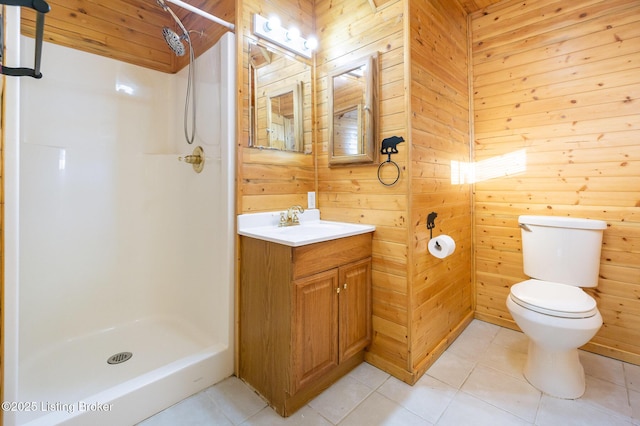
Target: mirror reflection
point(352, 112)
point(280, 100)
point(284, 120)
point(347, 132)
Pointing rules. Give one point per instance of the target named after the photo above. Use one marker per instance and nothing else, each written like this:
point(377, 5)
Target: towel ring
point(390, 146)
point(389, 161)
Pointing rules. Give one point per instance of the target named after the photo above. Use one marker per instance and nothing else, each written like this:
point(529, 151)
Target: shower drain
point(119, 358)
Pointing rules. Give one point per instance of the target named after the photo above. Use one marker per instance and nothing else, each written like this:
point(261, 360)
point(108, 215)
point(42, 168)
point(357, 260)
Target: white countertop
point(264, 226)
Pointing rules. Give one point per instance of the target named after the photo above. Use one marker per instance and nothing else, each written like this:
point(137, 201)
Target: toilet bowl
point(558, 319)
point(561, 255)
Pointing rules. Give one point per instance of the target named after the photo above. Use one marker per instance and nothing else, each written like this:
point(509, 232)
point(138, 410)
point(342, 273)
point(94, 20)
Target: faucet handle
point(293, 213)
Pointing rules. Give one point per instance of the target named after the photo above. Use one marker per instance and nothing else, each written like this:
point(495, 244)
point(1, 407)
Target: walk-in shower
point(119, 258)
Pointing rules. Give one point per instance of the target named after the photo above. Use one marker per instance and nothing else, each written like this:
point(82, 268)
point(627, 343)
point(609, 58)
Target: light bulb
point(311, 43)
point(292, 33)
point(272, 23)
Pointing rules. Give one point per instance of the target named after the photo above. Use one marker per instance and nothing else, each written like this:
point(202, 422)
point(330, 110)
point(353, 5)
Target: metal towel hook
point(390, 146)
point(431, 223)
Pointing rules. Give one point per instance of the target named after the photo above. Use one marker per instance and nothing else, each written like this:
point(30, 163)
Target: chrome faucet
point(290, 217)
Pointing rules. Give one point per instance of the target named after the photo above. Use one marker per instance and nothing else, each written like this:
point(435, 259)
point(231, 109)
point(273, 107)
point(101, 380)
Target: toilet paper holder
point(431, 223)
point(442, 245)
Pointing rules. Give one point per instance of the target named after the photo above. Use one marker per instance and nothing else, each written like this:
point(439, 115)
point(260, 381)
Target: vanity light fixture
point(290, 39)
point(311, 43)
point(271, 24)
point(292, 34)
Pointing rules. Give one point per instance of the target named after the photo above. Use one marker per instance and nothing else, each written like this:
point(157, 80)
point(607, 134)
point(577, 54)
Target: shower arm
point(202, 13)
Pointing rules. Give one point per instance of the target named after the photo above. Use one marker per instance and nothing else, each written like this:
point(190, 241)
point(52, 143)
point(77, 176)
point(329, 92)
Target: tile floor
point(477, 381)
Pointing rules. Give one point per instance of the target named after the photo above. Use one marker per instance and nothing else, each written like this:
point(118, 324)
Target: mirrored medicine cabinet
point(279, 100)
point(353, 99)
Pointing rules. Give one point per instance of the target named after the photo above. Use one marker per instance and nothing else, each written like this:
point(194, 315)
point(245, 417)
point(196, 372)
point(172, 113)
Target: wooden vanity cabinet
point(305, 316)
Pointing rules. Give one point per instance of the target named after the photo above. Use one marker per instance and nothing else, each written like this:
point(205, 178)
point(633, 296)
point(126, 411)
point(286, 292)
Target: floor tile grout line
point(372, 390)
point(475, 364)
point(374, 385)
point(609, 410)
point(502, 409)
point(535, 418)
point(522, 378)
point(479, 363)
point(447, 407)
point(626, 382)
point(357, 405)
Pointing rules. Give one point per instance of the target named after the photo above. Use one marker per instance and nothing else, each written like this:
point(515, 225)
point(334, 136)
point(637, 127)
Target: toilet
point(562, 256)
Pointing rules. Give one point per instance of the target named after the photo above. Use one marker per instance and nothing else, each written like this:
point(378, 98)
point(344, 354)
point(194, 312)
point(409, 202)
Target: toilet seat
point(555, 299)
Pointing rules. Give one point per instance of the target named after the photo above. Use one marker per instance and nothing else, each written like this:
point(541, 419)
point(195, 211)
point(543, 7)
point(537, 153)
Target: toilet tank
point(562, 249)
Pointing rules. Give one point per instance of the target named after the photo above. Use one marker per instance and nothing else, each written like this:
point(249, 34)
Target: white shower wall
point(113, 228)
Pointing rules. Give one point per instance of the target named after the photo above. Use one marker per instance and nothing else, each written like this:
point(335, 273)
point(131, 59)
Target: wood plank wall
point(349, 30)
point(441, 289)
point(419, 303)
point(267, 179)
point(558, 82)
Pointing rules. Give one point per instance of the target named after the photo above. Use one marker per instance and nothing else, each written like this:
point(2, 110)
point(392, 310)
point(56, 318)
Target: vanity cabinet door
point(354, 308)
point(315, 327)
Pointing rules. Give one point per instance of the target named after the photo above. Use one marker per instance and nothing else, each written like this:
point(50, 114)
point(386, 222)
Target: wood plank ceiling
point(471, 6)
point(131, 30)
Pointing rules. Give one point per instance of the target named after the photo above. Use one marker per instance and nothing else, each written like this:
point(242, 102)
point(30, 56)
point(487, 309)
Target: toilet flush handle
point(525, 227)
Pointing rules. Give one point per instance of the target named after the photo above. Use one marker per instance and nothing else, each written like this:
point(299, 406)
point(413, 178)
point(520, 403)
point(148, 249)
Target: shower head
point(174, 41)
point(171, 37)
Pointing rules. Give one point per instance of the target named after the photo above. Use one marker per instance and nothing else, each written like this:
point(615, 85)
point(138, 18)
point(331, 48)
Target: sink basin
point(264, 226)
point(319, 227)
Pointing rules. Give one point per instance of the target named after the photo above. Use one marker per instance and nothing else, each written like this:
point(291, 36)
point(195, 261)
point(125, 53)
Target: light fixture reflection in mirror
point(279, 100)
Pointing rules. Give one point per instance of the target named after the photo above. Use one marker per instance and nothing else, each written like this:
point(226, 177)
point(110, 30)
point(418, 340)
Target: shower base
point(73, 383)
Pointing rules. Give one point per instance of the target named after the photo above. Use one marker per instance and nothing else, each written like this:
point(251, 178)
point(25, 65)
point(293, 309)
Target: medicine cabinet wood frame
point(367, 107)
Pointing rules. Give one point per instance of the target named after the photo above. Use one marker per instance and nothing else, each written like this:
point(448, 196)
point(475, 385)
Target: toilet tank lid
point(563, 222)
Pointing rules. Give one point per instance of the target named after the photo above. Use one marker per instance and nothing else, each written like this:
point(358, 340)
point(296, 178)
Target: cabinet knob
point(338, 290)
point(345, 286)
